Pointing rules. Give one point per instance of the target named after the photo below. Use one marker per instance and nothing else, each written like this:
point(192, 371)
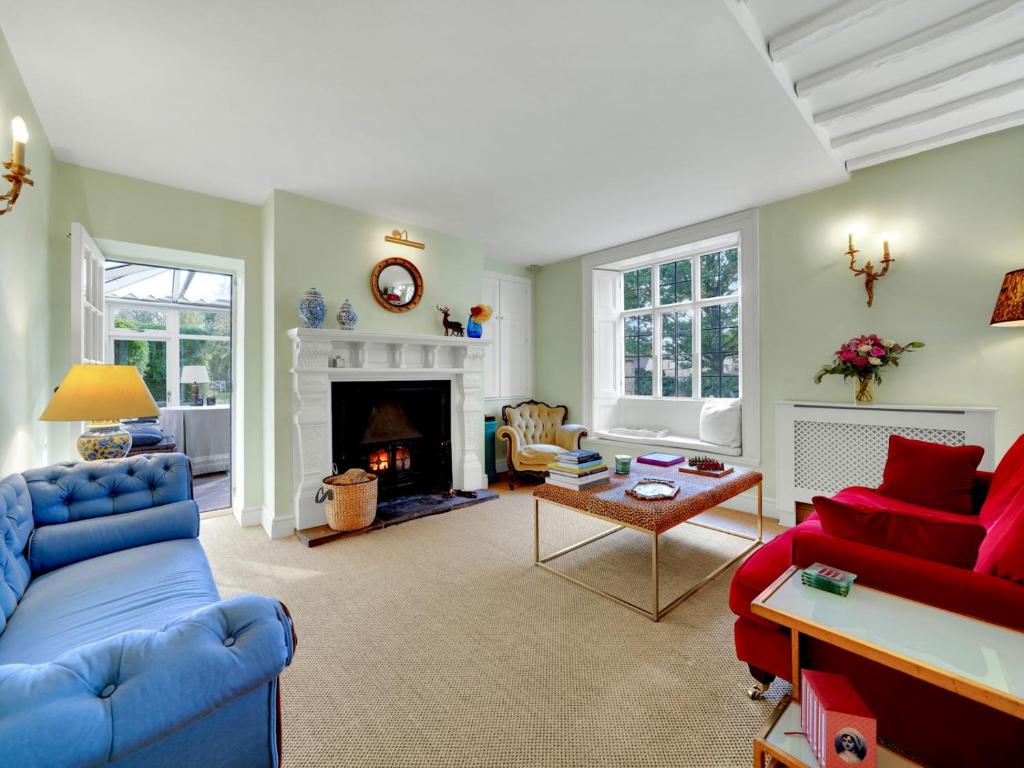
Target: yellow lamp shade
point(101, 393)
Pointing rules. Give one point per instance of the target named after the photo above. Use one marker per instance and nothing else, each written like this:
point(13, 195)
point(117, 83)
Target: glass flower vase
point(864, 390)
point(474, 329)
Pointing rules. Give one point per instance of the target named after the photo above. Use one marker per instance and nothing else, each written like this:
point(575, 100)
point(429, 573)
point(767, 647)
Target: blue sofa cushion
point(54, 546)
point(77, 491)
point(134, 589)
point(145, 435)
point(15, 527)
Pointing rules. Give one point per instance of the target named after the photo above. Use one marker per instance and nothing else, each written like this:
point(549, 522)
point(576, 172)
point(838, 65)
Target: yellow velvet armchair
point(534, 433)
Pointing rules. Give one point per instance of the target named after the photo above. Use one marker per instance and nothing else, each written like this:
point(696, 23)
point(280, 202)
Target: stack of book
point(578, 470)
point(828, 578)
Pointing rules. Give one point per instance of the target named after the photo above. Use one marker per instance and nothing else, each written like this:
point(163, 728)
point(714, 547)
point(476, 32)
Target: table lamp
point(100, 395)
point(195, 375)
point(1009, 310)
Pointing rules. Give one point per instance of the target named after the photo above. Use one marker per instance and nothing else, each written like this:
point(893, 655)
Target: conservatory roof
point(140, 282)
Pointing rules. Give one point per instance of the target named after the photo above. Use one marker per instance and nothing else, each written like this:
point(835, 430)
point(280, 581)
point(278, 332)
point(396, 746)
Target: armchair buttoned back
point(536, 422)
point(63, 493)
point(15, 528)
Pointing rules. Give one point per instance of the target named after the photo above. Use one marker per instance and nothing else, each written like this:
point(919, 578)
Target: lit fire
point(380, 460)
point(402, 458)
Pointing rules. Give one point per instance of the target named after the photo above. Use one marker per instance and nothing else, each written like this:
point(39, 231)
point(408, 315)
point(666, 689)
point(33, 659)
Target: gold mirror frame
point(417, 279)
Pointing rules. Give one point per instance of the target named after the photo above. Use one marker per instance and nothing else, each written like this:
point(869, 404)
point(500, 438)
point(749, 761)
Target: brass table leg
point(655, 615)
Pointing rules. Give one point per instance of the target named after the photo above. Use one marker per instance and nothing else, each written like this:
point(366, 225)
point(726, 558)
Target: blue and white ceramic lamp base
point(104, 440)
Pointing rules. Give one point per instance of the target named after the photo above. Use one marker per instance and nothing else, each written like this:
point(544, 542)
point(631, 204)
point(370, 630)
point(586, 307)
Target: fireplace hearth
point(399, 430)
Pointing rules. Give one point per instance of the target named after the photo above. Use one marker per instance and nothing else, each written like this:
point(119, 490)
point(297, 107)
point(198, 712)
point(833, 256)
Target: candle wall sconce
point(18, 175)
point(868, 271)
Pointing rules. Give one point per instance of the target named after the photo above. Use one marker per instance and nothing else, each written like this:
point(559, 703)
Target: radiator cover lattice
point(829, 456)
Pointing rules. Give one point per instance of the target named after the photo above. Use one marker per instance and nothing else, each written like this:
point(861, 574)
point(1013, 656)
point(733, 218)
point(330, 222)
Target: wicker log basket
point(350, 500)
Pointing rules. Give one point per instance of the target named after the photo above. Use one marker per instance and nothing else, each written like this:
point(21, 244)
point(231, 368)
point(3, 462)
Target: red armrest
point(985, 597)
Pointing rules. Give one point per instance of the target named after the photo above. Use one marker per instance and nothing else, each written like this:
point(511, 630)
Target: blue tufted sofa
point(115, 646)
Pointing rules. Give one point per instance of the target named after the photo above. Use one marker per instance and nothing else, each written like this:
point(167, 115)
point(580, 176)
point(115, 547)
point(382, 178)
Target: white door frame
point(169, 257)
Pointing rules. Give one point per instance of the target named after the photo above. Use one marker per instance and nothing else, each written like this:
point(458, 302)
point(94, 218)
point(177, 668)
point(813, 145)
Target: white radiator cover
point(822, 448)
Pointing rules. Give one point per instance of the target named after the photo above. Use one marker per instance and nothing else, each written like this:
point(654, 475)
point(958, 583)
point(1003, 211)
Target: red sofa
point(933, 725)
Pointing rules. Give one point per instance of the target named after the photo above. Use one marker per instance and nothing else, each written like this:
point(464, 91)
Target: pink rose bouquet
point(864, 357)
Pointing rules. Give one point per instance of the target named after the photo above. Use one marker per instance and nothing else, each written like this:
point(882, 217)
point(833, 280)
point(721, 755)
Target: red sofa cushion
point(930, 474)
point(1007, 481)
point(1002, 552)
point(869, 498)
point(954, 542)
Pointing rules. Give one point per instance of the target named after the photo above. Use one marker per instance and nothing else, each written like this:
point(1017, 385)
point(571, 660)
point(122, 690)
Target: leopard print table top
point(696, 494)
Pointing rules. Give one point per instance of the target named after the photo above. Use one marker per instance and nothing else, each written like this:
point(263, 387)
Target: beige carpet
point(438, 643)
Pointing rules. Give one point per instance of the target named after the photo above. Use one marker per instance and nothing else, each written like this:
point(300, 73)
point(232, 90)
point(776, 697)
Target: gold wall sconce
point(18, 172)
point(401, 237)
point(868, 270)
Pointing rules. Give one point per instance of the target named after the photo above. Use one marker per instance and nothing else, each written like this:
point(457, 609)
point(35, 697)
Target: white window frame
point(741, 229)
point(694, 305)
point(170, 335)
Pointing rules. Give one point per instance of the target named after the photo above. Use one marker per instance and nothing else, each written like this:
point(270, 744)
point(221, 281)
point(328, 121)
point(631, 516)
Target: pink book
point(838, 724)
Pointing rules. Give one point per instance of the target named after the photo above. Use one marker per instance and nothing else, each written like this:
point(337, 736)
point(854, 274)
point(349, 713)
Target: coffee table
point(611, 504)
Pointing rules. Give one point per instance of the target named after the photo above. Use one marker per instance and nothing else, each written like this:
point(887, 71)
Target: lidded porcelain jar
point(312, 309)
point(347, 317)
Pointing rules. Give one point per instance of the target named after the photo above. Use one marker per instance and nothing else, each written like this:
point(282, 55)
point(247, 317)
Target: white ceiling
point(541, 129)
point(888, 78)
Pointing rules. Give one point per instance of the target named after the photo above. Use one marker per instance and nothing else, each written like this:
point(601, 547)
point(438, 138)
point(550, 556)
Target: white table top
point(945, 647)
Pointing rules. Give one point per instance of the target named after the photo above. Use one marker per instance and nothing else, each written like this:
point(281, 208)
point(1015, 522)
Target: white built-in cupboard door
point(515, 328)
point(87, 298)
point(492, 297)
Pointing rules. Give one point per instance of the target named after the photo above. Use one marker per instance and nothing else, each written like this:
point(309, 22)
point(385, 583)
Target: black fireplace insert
point(401, 431)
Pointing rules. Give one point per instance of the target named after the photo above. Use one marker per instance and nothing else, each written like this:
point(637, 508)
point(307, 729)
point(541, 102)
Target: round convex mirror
point(396, 284)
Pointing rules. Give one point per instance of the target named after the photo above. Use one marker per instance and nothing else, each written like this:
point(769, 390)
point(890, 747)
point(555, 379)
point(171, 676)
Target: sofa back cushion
point(1002, 552)
point(536, 422)
point(930, 474)
point(943, 541)
point(15, 528)
point(63, 493)
point(1007, 481)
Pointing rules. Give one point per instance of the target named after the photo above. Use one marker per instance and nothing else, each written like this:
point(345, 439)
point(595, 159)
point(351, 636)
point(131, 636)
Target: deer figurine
point(450, 328)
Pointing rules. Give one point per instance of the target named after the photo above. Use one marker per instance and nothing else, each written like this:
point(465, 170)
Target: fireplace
point(399, 430)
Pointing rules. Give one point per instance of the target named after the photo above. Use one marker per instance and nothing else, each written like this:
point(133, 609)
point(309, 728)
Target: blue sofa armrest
point(106, 700)
point(54, 546)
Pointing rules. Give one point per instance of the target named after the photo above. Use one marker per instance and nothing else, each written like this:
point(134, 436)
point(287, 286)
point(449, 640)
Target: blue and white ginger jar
point(347, 317)
point(312, 309)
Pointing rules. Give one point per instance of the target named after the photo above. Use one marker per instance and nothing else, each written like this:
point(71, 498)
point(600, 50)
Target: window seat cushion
point(672, 441)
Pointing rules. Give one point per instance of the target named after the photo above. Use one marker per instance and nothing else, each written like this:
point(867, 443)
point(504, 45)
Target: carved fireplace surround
point(375, 356)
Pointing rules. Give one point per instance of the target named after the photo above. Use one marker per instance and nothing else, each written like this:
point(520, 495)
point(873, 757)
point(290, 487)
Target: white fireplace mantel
point(321, 356)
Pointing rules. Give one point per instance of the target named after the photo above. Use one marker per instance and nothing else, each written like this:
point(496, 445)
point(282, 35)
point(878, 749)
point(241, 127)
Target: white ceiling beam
point(927, 115)
point(972, 131)
point(991, 59)
point(803, 35)
point(938, 34)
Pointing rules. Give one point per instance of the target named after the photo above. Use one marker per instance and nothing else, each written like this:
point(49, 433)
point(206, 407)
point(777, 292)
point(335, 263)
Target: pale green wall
point(335, 249)
point(558, 351)
point(114, 207)
point(24, 289)
point(956, 219)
